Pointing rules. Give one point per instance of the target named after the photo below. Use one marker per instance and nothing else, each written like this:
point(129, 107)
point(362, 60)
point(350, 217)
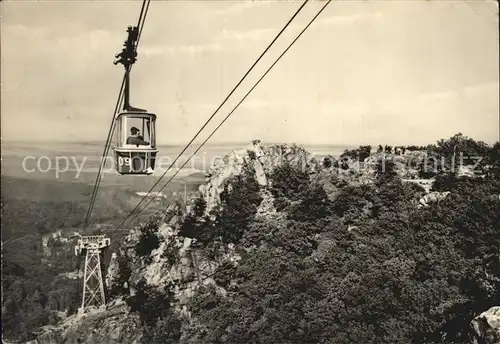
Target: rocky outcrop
point(266, 207)
point(175, 262)
point(262, 158)
point(486, 326)
point(433, 197)
point(113, 273)
point(53, 239)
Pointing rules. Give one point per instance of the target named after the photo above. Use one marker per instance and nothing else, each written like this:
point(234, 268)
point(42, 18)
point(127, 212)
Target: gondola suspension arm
point(127, 58)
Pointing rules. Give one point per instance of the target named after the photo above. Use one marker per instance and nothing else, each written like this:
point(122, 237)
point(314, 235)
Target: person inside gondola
point(135, 138)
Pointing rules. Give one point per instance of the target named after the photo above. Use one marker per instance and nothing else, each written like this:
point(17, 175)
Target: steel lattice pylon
point(93, 287)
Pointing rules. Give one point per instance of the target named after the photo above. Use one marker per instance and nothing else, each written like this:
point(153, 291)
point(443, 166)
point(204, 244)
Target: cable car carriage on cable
point(134, 129)
point(135, 147)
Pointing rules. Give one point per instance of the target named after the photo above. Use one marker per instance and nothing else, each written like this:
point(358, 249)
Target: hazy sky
point(365, 72)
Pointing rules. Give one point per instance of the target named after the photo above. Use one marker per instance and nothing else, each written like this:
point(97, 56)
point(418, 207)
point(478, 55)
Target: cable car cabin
point(135, 143)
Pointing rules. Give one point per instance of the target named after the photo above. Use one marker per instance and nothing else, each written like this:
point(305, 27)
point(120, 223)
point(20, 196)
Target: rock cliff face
point(178, 260)
point(54, 239)
point(175, 261)
point(113, 273)
point(263, 159)
point(115, 325)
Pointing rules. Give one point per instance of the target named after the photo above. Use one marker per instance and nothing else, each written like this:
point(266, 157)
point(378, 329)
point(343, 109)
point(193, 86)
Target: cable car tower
point(93, 287)
point(135, 135)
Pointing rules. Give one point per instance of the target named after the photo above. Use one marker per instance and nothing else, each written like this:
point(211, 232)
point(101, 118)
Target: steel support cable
point(215, 112)
point(234, 109)
point(141, 13)
point(103, 159)
point(105, 154)
point(140, 24)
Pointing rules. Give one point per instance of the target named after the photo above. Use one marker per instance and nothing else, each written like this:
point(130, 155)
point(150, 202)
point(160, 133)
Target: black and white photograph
point(250, 171)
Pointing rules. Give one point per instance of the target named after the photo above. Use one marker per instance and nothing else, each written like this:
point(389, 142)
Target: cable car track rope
point(215, 112)
point(140, 24)
point(225, 119)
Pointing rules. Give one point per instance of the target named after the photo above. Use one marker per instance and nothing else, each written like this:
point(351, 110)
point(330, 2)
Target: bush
point(224, 273)
point(151, 304)
point(251, 154)
point(197, 225)
point(125, 273)
point(314, 205)
point(327, 162)
point(166, 331)
point(289, 184)
point(148, 241)
point(358, 154)
point(171, 253)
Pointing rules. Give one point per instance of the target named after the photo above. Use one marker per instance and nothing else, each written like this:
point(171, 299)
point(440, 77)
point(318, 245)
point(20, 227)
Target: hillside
point(278, 247)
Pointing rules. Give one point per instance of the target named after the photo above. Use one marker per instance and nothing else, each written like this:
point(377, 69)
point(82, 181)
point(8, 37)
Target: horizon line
point(244, 142)
point(179, 143)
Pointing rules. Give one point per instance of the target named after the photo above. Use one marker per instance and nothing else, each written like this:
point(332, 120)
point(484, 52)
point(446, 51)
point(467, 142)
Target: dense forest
point(366, 266)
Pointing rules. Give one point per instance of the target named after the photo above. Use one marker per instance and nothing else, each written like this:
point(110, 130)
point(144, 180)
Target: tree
point(385, 170)
point(327, 162)
point(288, 185)
point(151, 304)
point(148, 240)
point(358, 154)
point(364, 152)
point(239, 202)
point(313, 205)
